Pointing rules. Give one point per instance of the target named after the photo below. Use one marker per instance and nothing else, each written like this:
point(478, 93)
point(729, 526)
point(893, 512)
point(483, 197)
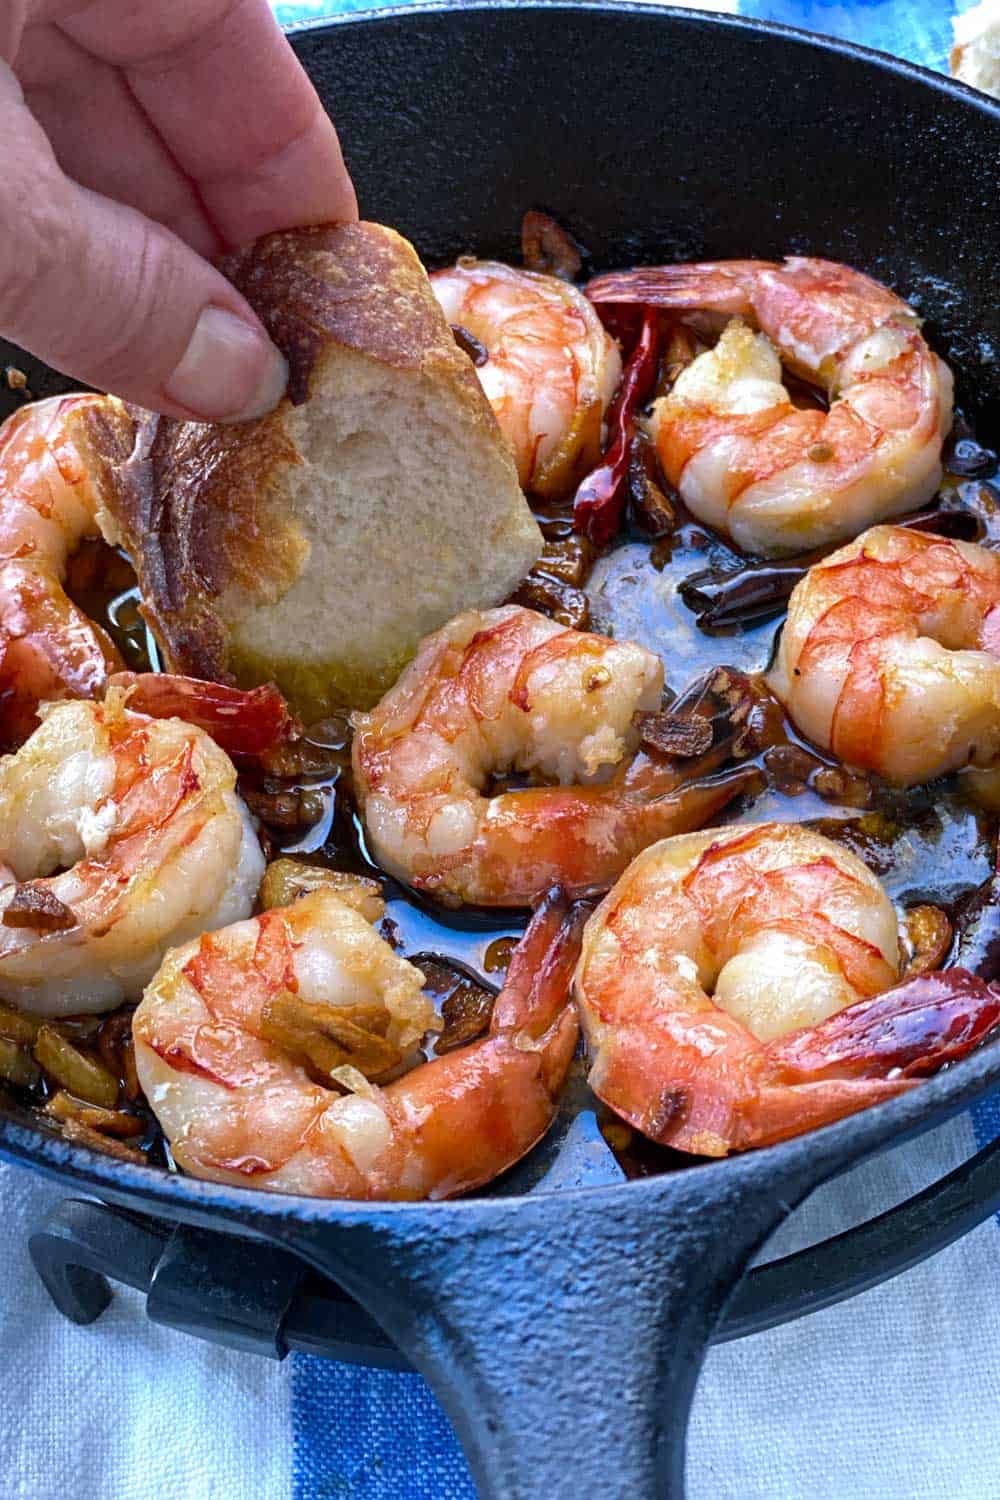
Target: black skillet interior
point(652, 135)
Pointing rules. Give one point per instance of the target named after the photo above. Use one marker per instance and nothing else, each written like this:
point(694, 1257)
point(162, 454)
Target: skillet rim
point(713, 20)
point(819, 1152)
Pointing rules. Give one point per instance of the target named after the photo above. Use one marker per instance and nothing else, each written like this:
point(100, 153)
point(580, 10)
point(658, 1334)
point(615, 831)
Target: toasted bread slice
point(317, 546)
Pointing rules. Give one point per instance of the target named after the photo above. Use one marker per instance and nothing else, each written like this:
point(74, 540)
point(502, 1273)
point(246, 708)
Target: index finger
point(230, 100)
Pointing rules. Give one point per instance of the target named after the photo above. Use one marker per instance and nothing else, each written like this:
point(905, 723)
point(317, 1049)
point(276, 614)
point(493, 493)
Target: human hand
point(140, 139)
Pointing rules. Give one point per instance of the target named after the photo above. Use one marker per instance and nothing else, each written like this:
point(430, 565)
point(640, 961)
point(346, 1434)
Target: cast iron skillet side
point(564, 1332)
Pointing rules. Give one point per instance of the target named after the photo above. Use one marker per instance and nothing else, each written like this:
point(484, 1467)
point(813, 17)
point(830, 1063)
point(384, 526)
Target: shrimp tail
point(678, 809)
point(711, 1102)
point(542, 965)
point(512, 1078)
point(241, 723)
point(49, 650)
point(532, 1013)
point(868, 1053)
point(908, 1031)
point(722, 288)
point(584, 835)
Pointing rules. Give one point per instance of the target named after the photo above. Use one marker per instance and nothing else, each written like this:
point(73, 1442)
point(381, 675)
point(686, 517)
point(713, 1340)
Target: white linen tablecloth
point(893, 1394)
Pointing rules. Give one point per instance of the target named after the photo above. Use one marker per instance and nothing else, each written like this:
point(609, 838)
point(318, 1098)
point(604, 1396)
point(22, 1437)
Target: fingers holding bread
point(316, 546)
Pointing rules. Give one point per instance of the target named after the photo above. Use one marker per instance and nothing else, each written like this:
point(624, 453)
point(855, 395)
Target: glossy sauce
point(931, 844)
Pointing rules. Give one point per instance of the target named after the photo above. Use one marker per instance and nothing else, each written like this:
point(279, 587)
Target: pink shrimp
point(736, 988)
point(120, 835)
point(550, 369)
point(49, 649)
point(225, 1030)
point(744, 458)
point(509, 688)
point(890, 655)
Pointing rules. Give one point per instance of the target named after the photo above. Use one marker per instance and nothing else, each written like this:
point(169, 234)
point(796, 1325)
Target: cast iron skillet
point(564, 1330)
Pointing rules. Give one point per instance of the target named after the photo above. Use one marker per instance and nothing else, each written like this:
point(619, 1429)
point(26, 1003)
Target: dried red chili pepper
point(600, 499)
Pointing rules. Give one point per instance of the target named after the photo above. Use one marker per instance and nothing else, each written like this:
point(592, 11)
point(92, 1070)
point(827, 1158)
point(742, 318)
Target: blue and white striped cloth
point(894, 1394)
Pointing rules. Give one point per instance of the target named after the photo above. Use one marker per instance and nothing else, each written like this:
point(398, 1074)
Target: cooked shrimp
point(121, 835)
point(226, 1073)
point(48, 648)
point(506, 689)
point(735, 989)
point(551, 368)
point(744, 458)
point(890, 656)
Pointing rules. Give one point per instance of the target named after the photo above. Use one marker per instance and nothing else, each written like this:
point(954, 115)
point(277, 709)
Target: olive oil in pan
point(928, 845)
point(102, 582)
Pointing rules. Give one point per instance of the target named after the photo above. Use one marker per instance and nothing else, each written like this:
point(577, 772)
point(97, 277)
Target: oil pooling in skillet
point(657, 583)
point(713, 616)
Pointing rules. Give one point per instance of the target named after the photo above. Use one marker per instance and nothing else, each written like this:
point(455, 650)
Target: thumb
point(112, 298)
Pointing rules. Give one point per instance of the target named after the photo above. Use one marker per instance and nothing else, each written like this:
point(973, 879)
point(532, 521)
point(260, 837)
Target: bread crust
point(203, 509)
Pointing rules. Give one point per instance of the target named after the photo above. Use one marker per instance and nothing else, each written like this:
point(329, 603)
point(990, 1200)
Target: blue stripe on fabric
point(919, 31)
point(986, 1121)
point(370, 1435)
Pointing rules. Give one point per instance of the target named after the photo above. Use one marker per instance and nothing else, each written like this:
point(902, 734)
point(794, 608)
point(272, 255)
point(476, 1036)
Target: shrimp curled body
point(119, 836)
point(551, 369)
point(731, 990)
point(505, 689)
point(48, 505)
point(745, 459)
point(237, 1106)
point(50, 502)
point(890, 655)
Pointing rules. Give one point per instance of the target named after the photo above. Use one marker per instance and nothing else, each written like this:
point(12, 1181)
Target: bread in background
point(975, 57)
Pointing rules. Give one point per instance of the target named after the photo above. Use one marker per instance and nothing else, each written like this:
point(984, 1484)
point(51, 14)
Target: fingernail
point(229, 372)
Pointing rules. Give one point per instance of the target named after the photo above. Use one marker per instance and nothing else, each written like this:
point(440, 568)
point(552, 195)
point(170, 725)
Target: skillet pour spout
point(564, 1327)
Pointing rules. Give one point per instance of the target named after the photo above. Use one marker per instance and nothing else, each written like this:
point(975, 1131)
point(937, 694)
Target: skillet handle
point(564, 1333)
point(870, 1253)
